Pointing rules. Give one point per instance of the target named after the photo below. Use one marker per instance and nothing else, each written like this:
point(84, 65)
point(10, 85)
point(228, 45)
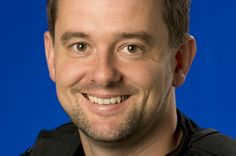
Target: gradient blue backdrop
point(28, 100)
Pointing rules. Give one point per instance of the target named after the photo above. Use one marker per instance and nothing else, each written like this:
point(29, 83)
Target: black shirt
point(65, 141)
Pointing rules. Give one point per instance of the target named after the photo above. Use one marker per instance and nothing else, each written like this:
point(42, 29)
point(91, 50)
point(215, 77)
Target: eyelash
point(75, 47)
point(138, 49)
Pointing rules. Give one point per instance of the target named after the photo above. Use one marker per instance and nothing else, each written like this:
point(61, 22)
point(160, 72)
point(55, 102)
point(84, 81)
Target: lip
point(104, 96)
point(102, 109)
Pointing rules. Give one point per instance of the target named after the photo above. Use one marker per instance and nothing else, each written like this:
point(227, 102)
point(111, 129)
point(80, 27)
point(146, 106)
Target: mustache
point(90, 87)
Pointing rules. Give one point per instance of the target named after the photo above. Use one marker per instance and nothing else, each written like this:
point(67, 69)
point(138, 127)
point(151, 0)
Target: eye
point(132, 49)
point(80, 47)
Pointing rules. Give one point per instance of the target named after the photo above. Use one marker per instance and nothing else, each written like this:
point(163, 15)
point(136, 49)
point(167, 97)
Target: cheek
point(154, 81)
point(145, 75)
point(150, 78)
point(69, 72)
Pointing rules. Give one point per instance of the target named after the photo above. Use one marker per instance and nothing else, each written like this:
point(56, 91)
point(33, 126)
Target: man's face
point(112, 65)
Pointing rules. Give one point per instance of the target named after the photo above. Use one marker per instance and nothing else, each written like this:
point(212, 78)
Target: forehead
point(109, 15)
point(115, 4)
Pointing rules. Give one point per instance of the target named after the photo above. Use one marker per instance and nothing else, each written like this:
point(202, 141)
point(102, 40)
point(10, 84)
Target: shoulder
point(204, 142)
point(61, 140)
point(210, 142)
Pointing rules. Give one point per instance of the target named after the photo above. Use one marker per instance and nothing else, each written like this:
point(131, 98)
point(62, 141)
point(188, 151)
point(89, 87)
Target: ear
point(184, 58)
point(50, 57)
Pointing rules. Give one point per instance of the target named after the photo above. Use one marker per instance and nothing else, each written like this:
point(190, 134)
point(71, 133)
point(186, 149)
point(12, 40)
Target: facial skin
point(116, 51)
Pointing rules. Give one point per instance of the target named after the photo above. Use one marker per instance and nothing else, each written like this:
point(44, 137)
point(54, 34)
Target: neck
point(160, 139)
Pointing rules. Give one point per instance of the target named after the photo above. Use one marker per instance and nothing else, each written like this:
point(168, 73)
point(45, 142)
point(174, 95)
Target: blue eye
point(80, 47)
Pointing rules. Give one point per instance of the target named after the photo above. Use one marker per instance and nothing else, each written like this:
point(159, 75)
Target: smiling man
point(116, 64)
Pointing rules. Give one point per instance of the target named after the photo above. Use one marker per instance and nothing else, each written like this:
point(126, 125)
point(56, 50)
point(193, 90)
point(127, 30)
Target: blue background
point(28, 100)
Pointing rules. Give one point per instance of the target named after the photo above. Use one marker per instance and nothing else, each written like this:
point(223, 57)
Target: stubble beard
point(115, 134)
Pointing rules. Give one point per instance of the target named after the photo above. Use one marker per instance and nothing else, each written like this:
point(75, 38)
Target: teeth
point(100, 101)
point(122, 98)
point(118, 99)
point(106, 101)
point(95, 100)
point(113, 100)
point(91, 98)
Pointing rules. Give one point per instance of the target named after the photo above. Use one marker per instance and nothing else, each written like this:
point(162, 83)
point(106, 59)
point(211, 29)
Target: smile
point(107, 101)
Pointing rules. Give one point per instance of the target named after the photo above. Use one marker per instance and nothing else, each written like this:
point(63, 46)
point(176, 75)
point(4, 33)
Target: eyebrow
point(141, 35)
point(69, 35)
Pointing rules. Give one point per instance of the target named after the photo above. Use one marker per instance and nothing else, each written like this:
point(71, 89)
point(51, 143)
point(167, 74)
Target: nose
point(104, 71)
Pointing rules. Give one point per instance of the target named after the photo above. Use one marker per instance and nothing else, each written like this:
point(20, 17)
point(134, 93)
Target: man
point(116, 64)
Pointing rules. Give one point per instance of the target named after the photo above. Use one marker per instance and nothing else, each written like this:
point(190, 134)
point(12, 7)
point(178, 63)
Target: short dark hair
point(175, 15)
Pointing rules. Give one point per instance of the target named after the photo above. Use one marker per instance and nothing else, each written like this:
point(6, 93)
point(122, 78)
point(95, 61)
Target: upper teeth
point(113, 100)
